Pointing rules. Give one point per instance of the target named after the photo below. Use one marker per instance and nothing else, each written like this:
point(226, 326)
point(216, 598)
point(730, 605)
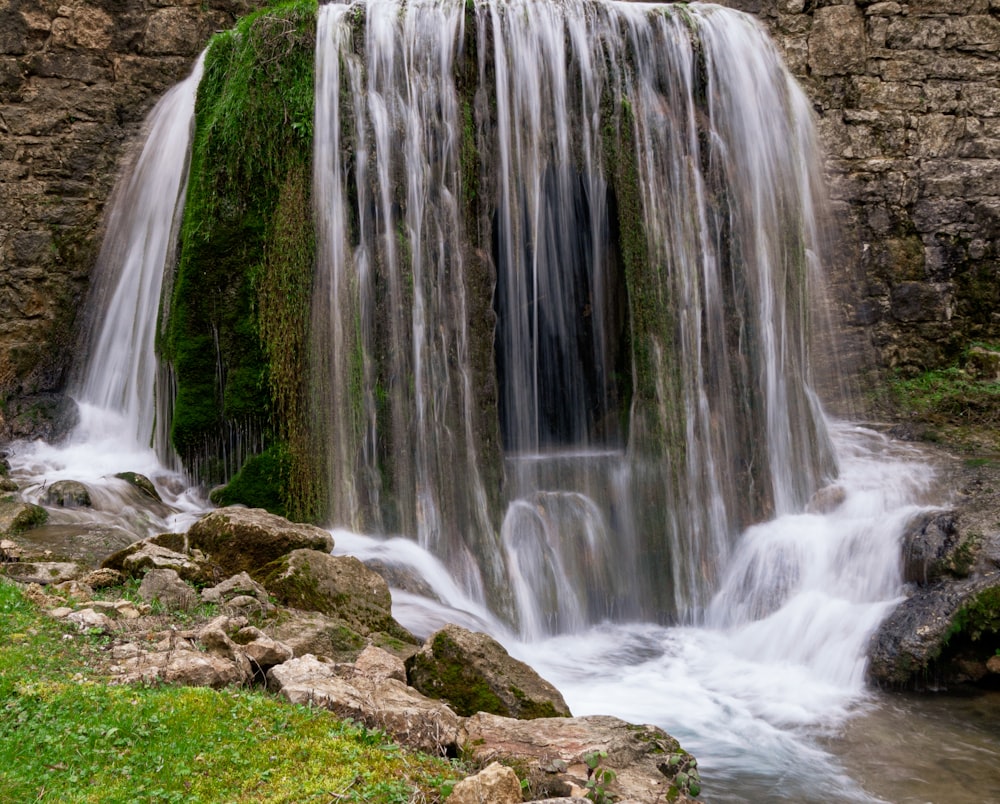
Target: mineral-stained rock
point(166, 586)
point(495, 783)
point(553, 754)
point(474, 673)
point(246, 539)
point(378, 703)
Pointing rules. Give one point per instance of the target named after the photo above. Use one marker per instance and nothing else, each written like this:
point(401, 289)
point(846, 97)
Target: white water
point(116, 384)
point(780, 666)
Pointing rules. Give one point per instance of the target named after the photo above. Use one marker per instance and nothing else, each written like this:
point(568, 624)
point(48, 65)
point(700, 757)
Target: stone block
point(920, 301)
point(838, 43)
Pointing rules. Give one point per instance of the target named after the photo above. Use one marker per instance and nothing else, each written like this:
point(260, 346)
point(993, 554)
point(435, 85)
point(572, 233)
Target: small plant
point(598, 778)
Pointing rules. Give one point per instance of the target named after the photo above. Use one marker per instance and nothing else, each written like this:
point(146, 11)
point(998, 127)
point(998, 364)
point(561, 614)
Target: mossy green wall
point(239, 308)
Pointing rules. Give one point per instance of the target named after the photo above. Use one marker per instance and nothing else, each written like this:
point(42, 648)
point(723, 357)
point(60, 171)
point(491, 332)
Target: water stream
point(640, 578)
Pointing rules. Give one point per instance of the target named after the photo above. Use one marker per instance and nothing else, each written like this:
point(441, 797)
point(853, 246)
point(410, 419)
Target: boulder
point(17, 516)
point(943, 634)
point(474, 673)
point(91, 621)
point(262, 651)
point(555, 754)
point(103, 578)
point(385, 704)
point(338, 586)
point(67, 494)
point(495, 783)
point(45, 573)
point(246, 539)
point(380, 664)
point(166, 586)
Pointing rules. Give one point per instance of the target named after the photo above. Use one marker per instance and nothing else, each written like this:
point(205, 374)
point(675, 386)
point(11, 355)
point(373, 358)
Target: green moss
point(978, 618)
point(30, 516)
point(245, 262)
point(260, 483)
point(447, 676)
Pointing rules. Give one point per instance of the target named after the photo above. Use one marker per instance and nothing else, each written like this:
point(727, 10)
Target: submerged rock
point(141, 482)
point(474, 673)
point(246, 539)
point(67, 494)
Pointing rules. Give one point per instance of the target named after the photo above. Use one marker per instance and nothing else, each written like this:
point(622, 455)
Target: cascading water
point(123, 396)
point(623, 435)
point(641, 181)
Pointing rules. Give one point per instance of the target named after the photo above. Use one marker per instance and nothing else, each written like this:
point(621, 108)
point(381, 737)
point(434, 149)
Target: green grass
point(67, 736)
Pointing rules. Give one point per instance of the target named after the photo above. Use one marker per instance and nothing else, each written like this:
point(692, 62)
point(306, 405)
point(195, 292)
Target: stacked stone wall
point(907, 95)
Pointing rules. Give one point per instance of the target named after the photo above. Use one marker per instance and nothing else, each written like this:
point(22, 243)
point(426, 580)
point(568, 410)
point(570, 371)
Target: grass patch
point(67, 736)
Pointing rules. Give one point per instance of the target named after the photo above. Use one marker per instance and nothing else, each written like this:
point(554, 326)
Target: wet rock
point(141, 482)
point(932, 548)
point(474, 673)
point(826, 500)
point(166, 586)
point(247, 539)
point(553, 754)
point(386, 704)
point(924, 641)
point(67, 494)
point(17, 516)
point(338, 586)
point(44, 573)
point(495, 783)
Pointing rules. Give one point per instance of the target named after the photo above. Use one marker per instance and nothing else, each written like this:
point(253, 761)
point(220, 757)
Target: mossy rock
point(248, 539)
point(474, 673)
point(141, 482)
point(17, 516)
point(337, 586)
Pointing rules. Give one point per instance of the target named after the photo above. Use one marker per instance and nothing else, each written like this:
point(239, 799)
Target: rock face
point(246, 539)
point(474, 673)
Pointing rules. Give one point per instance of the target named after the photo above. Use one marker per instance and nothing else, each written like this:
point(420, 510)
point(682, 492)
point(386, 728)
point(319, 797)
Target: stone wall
point(907, 95)
point(76, 80)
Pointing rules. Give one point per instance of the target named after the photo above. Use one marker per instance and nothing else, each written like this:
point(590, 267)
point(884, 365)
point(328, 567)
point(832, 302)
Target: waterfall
point(638, 184)
point(119, 386)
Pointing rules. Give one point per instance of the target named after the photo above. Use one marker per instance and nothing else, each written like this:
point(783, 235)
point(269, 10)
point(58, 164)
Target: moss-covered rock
point(67, 494)
point(247, 539)
point(474, 673)
point(338, 586)
point(17, 516)
point(141, 482)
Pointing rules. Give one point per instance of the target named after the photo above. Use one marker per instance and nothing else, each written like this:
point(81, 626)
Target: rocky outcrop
point(247, 539)
point(474, 673)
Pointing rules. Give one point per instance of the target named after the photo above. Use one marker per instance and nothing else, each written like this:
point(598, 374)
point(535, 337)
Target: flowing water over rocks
point(636, 185)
